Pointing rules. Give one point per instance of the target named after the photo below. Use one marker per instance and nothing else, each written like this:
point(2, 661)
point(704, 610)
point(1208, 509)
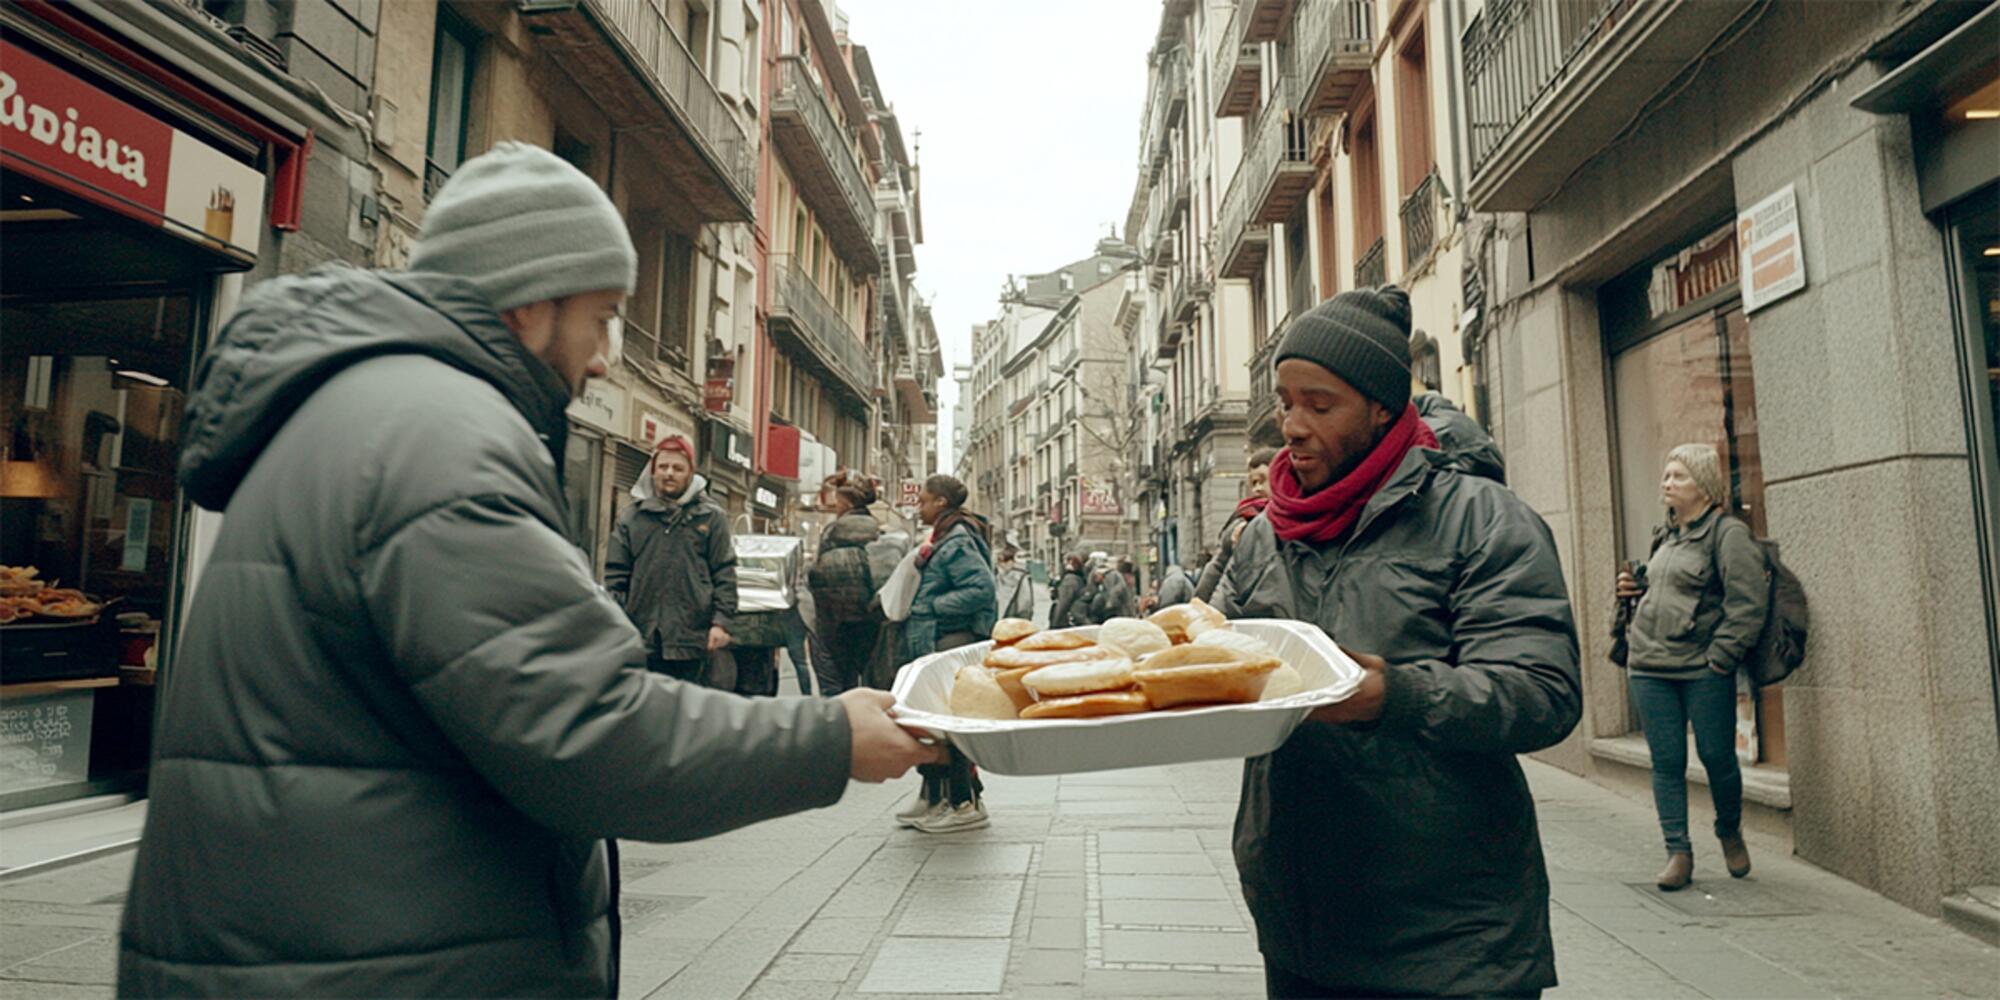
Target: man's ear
point(534, 323)
point(1380, 415)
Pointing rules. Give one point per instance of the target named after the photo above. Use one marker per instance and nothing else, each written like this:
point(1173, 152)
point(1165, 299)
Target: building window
point(1329, 239)
point(1413, 111)
point(1298, 262)
point(1367, 182)
point(694, 32)
point(451, 96)
point(753, 54)
point(572, 150)
point(677, 314)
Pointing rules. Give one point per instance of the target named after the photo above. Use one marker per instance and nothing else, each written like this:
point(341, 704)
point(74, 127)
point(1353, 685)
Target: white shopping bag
point(901, 587)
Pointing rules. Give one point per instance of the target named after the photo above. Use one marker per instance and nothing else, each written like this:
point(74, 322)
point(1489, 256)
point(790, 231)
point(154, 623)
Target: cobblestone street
point(1118, 884)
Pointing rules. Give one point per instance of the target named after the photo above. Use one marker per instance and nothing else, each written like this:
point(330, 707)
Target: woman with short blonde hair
point(1701, 603)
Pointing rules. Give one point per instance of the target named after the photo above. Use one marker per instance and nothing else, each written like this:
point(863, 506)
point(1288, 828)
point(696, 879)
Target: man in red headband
point(1389, 848)
point(672, 564)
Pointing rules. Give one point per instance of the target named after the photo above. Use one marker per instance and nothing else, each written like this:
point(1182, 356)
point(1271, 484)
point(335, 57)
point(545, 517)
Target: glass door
point(1973, 228)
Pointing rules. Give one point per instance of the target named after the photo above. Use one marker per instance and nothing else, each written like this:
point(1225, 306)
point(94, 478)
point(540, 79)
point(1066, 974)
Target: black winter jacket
point(672, 566)
point(403, 716)
point(1403, 856)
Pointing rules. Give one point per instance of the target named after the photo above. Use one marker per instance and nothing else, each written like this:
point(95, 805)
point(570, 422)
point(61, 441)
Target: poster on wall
point(1774, 261)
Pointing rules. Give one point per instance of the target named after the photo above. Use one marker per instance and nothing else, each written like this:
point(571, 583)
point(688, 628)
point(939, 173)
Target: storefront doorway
point(1681, 373)
point(1972, 228)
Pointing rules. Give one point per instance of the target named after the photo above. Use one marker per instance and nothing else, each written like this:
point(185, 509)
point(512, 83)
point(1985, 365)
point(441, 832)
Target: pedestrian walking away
point(1695, 615)
point(954, 606)
point(1390, 847)
point(1071, 605)
point(1016, 589)
point(1258, 494)
point(1176, 587)
point(843, 583)
point(672, 565)
point(1113, 597)
point(403, 717)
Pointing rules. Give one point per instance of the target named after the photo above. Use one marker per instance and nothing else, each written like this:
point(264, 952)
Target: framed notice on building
point(1774, 260)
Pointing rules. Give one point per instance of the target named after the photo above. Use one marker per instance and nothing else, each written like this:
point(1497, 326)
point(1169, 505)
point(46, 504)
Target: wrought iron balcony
point(703, 150)
point(1373, 267)
point(1333, 42)
point(1237, 67)
point(1548, 81)
point(1241, 243)
point(809, 326)
point(1420, 221)
point(822, 162)
point(1265, 20)
point(1277, 168)
point(1174, 82)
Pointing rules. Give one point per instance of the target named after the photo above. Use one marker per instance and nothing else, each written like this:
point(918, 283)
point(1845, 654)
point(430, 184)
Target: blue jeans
point(1666, 708)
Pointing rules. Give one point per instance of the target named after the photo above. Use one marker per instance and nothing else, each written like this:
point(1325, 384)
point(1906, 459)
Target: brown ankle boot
point(1736, 855)
point(1678, 873)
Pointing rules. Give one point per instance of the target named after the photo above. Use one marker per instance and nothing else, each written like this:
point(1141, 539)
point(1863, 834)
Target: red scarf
point(1251, 507)
point(1330, 514)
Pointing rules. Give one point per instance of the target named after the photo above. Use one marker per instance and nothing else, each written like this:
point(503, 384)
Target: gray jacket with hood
point(1402, 855)
point(403, 717)
point(672, 565)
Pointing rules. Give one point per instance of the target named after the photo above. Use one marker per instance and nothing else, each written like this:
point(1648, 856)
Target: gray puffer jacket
point(1402, 856)
point(403, 717)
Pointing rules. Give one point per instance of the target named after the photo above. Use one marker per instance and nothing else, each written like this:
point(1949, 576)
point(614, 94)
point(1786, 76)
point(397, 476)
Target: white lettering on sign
point(66, 132)
point(766, 497)
point(1773, 257)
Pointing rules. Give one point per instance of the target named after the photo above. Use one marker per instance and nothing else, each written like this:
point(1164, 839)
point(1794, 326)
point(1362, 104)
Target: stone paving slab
point(1180, 947)
point(1151, 842)
point(938, 966)
point(1171, 913)
point(1163, 887)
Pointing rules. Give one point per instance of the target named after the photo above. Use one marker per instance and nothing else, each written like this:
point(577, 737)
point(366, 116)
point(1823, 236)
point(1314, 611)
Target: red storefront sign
point(906, 494)
point(716, 393)
point(781, 451)
point(76, 137)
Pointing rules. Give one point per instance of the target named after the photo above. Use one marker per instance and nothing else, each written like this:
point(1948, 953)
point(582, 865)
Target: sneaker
point(917, 810)
point(970, 816)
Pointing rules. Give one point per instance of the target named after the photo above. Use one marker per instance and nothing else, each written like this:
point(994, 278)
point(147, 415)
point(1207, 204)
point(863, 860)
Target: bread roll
point(1184, 622)
point(1082, 677)
point(1203, 675)
point(1242, 642)
point(1085, 706)
point(1012, 657)
point(1010, 683)
point(976, 695)
point(1283, 682)
point(1056, 640)
point(1132, 636)
point(1008, 631)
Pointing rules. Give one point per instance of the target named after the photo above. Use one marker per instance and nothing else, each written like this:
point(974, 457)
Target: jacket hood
point(853, 529)
point(1461, 437)
point(291, 334)
point(649, 496)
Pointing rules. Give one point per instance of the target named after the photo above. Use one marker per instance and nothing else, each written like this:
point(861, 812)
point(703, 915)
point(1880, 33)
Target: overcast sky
point(1030, 117)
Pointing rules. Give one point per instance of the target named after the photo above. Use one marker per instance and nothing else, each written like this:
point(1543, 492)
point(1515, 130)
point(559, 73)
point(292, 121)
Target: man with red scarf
point(1389, 848)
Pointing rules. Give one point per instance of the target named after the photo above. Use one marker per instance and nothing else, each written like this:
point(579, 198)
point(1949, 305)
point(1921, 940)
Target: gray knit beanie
point(525, 226)
point(1363, 336)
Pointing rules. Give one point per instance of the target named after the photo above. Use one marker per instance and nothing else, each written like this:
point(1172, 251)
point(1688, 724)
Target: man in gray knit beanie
point(400, 654)
point(543, 244)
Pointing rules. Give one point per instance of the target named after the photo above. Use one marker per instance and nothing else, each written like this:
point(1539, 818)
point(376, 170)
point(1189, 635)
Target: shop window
point(1681, 373)
point(90, 418)
point(451, 98)
point(583, 464)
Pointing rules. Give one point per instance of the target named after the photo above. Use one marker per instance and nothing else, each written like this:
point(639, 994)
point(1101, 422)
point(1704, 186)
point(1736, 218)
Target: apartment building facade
point(653, 100)
point(1769, 228)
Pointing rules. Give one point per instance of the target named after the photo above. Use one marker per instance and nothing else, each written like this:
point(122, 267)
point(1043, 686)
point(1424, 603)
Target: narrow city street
point(1119, 884)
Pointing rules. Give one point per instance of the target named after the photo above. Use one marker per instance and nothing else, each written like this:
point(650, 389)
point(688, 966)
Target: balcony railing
point(823, 162)
point(1333, 42)
point(1241, 243)
point(1174, 81)
point(1277, 168)
point(708, 129)
point(1236, 69)
point(1515, 52)
point(1373, 267)
point(1420, 221)
point(816, 327)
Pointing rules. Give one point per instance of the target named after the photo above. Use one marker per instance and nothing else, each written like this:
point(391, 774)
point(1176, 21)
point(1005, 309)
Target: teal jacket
point(954, 594)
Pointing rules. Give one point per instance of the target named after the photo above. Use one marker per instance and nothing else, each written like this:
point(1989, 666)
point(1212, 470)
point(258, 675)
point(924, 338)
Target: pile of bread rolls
point(1182, 656)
